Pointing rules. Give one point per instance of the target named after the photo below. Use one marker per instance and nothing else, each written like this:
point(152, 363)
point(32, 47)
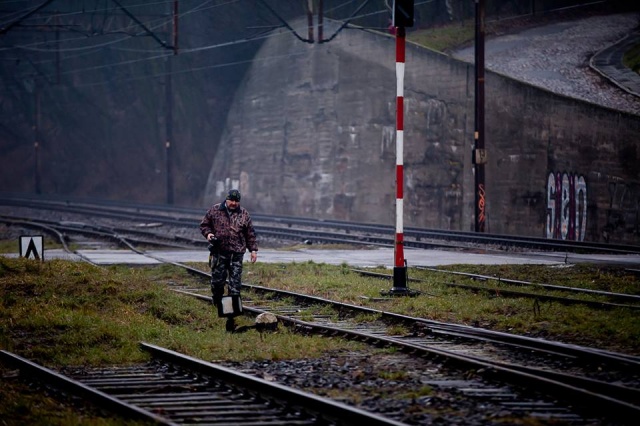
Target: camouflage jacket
point(233, 229)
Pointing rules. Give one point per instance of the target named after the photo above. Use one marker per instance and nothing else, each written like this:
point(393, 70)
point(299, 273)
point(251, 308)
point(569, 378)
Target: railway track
point(633, 301)
point(134, 237)
point(461, 360)
point(175, 389)
point(320, 231)
point(580, 376)
point(597, 380)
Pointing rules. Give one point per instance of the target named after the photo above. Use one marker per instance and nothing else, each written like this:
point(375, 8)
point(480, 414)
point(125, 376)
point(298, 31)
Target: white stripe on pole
point(399, 209)
point(400, 79)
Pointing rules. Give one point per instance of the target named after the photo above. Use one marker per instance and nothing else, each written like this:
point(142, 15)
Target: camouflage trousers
point(223, 264)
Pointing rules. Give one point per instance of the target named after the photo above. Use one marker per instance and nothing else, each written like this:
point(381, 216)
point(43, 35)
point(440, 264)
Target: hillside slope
point(556, 57)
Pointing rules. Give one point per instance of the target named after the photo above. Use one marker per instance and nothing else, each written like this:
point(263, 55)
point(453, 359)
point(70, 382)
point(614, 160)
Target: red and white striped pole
point(400, 268)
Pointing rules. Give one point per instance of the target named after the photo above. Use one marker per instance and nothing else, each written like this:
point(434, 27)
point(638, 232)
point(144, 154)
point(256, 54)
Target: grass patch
point(8, 246)
point(61, 313)
point(445, 37)
point(13, 246)
point(614, 329)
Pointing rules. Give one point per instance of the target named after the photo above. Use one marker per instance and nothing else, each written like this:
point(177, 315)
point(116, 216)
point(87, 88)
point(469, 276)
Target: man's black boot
point(231, 325)
point(217, 300)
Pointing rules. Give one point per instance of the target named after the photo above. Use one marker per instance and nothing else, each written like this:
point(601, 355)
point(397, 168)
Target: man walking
point(228, 227)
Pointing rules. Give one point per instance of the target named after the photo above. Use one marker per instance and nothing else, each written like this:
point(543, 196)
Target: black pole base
point(400, 291)
point(400, 278)
point(400, 284)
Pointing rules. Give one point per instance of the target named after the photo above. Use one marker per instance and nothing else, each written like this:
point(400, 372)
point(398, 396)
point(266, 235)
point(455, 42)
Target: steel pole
point(479, 152)
point(36, 136)
point(400, 267)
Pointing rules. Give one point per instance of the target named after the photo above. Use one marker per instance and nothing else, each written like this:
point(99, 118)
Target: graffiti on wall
point(623, 213)
point(566, 206)
point(480, 208)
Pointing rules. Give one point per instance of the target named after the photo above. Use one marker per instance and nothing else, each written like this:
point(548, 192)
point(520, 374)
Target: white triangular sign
point(31, 247)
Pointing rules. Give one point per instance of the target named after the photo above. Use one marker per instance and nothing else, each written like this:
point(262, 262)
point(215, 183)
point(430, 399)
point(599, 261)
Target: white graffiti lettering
point(566, 207)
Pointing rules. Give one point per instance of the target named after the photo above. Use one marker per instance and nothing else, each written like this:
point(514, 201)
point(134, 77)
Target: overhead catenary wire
point(178, 72)
point(4, 30)
point(205, 5)
point(285, 24)
point(197, 69)
point(345, 23)
point(114, 8)
point(162, 22)
point(162, 56)
point(96, 48)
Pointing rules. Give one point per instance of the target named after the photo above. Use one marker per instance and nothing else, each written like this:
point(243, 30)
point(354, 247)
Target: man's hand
point(210, 236)
point(254, 256)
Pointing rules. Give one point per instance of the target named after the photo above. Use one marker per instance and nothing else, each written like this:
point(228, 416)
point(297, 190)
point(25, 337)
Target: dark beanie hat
point(233, 195)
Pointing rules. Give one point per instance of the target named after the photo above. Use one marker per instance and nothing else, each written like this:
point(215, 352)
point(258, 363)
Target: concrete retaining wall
point(312, 133)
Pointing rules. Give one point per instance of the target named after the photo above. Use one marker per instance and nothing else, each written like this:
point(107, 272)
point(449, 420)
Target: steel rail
point(457, 330)
point(417, 234)
point(77, 388)
point(324, 407)
point(622, 296)
point(114, 233)
point(590, 394)
point(552, 347)
point(49, 229)
point(57, 229)
point(497, 336)
point(512, 293)
point(331, 412)
point(610, 400)
point(302, 235)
